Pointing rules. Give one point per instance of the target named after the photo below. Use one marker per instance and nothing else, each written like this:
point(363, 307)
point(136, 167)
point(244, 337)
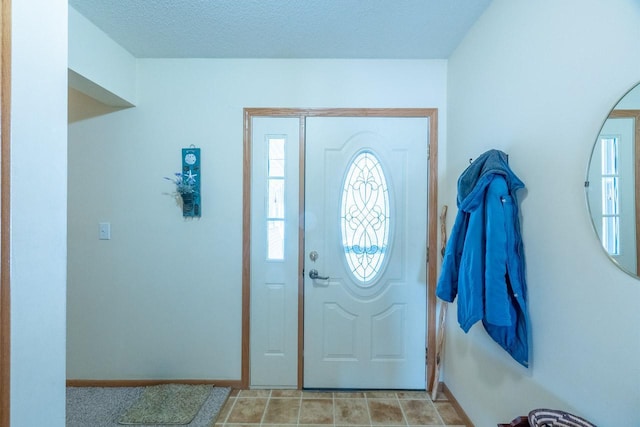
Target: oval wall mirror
point(613, 183)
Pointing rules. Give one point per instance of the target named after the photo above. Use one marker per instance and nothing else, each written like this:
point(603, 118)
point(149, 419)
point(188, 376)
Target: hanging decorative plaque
point(191, 206)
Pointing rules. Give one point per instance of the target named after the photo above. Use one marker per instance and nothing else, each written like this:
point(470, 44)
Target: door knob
point(313, 274)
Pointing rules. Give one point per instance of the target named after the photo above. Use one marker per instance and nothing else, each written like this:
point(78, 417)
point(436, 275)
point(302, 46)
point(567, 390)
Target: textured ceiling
point(395, 29)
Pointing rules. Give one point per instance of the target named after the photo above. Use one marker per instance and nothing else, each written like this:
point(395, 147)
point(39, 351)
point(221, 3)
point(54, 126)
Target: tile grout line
point(433, 404)
point(333, 407)
point(299, 409)
point(264, 411)
point(228, 414)
point(404, 416)
point(366, 404)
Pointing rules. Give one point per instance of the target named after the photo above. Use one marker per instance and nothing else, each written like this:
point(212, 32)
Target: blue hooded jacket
point(484, 260)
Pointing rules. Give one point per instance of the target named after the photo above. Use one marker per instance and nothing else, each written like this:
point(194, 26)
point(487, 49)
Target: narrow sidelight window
point(275, 198)
point(610, 199)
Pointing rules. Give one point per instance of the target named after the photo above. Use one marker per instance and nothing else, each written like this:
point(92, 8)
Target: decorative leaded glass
point(364, 217)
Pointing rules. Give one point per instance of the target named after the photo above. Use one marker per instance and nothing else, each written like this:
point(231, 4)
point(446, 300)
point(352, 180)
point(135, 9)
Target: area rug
point(167, 404)
point(104, 406)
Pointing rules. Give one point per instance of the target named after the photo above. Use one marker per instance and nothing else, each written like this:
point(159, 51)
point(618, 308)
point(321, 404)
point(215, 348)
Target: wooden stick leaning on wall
point(443, 310)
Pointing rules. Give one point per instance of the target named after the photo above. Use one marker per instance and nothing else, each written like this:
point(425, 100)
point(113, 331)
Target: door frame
point(635, 115)
point(431, 114)
point(5, 186)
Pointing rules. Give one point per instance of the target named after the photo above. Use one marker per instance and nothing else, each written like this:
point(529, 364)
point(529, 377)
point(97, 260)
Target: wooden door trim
point(5, 175)
point(431, 114)
point(634, 114)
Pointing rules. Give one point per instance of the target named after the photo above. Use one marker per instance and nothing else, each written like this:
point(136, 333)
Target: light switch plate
point(104, 231)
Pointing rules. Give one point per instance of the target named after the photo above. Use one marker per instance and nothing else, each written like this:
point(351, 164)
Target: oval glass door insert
point(364, 217)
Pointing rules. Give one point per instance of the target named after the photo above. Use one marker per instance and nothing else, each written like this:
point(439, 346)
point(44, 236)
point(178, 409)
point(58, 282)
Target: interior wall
point(38, 212)
point(162, 298)
point(536, 80)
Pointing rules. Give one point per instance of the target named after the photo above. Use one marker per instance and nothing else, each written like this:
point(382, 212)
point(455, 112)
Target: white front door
point(366, 183)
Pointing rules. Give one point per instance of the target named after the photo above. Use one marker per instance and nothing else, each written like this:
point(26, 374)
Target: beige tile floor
point(320, 409)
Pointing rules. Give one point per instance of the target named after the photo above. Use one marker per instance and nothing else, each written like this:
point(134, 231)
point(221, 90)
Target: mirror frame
point(621, 113)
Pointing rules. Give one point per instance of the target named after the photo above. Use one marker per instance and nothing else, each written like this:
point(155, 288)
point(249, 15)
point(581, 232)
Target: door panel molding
point(431, 114)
